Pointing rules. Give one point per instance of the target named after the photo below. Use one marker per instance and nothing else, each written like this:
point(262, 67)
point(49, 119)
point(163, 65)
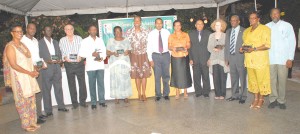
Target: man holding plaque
point(69, 46)
point(50, 52)
point(32, 44)
point(159, 57)
point(93, 49)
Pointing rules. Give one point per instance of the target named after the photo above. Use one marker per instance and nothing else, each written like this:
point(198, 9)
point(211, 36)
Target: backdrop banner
point(106, 26)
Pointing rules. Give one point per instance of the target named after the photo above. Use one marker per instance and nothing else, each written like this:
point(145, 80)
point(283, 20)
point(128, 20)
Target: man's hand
point(67, 59)
point(191, 62)
point(289, 63)
point(126, 52)
point(208, 63)
point(151, 63)
point(95, 54)
point(44, 65)
point(116, 54)
point(226, 63)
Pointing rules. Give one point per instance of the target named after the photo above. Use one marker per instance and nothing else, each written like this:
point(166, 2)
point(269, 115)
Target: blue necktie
point(232, 42)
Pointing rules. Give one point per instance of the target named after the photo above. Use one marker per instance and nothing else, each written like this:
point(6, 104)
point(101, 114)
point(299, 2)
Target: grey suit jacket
point(198, 51)
point(237, 58)
point(44, 52)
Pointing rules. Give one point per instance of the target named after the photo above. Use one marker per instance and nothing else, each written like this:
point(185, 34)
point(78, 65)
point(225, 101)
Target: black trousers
point(201, 73)
point(220, 79)
point(78, 70)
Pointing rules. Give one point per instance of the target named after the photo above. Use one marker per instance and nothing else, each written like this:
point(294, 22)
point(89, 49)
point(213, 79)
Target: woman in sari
point(19, 73)
point(118, 49)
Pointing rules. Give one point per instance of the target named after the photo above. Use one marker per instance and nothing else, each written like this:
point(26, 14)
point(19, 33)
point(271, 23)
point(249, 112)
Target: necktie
point(160, 43)
point(232, 42)
point(199, 36)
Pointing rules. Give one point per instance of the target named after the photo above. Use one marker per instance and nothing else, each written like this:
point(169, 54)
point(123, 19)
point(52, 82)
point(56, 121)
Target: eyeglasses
point(18, 31)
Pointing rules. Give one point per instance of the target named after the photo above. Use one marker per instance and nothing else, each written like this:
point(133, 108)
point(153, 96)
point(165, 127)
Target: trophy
point(220, 47)
point(245, 47)
point(54, 57)
point(39, 64)
point(120, 51)
point(73, 57)
point(180, 49)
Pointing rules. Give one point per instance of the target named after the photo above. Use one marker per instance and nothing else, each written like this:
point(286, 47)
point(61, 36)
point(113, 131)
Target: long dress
point(24, 86)
point(140, 67)
point(120, 83)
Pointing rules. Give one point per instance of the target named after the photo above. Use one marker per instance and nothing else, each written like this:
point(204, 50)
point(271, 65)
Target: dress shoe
point(198, 95)
point(40, 121)
point(242, 101)
point(49, 114)
point(206, 96)
point(84, 105)
point(167, 98)
point(63, 109)
point(103, 104)
point(282, 106)
point(273, 104)
point(231, 99)
point(157, 98)
point(94, 107)
point(43, 117)
point(75, 106)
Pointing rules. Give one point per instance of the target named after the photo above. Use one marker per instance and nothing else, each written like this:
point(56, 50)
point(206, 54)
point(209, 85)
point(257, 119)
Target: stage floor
point(191, 116)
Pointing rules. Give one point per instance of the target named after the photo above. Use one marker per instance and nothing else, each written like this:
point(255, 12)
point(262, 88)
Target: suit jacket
point(44, 52)
point(198, 51)
point(237, 58)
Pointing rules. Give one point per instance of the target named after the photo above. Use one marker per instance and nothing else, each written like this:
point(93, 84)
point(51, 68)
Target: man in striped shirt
point(69, 46)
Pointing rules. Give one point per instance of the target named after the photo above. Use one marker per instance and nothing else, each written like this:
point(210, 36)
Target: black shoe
point(157, 98)
point(63, 109)
point(242, 101)
point(94, 107)
point(48, 114)
point(198, 95)
point(282, 106)
point(75, 107)
point(167, 98)
point(273, 104)
point(84, 105)
point(40, 121)
point(43, 117)
point(103, 104)
point(231, 99)
point(206, 95)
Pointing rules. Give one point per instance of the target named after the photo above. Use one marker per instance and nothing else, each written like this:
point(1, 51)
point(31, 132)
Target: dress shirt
point(33, 46)
point(50, 46)
point(67, 47)
point(283, 42)
point(88, 46)
point(153, 41)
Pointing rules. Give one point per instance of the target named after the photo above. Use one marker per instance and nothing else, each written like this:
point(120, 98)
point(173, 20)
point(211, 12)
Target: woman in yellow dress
point(257, 38)
point(20, 75)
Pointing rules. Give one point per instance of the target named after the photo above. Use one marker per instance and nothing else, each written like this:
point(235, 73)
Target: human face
point(177, 27)
point(253, 19)
point(118, 33)
point(69, 30)
point(48, 31)
point(199, 25)
point(93, 31)
point(275, 15)
point(31, 30)
point(218, 26)
point(17, 33)
point(158, 24)
point(137, 22)
point(234, 21)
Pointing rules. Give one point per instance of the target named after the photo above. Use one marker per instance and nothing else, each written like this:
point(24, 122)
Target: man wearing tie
point(198, 59)
point(235, 60)
point(159, 57)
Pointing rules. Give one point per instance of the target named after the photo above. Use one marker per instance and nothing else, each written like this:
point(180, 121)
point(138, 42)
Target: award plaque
point(73, 57)
point(120, 51)
point(180, 49)
point(39, 64)
point(54, 57)
point(246, 47)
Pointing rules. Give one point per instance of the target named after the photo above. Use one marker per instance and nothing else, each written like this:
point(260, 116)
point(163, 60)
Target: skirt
point(140, 67)
point(180, 74)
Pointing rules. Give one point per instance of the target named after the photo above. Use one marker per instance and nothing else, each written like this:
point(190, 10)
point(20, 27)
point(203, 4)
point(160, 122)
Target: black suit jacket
point(198, 51)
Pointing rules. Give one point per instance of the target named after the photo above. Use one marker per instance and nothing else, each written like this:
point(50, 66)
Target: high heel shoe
point(254, 103)
point(260, 104)
point(140, 97)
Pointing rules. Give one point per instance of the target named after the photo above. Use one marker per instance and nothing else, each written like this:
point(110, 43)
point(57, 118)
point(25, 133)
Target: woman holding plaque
point(20, 75)
point(216, 62)
point(257, 41)
point(179, 43)
point(118, 49)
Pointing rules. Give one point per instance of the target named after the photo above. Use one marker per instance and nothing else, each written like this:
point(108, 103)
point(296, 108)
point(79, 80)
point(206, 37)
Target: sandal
point(144, 98)
point(221, 98)
point(217, 98)
point(254, 103)
point(177, 97)
point(30, 129)
point(260, 104)
point(185, 96)
point(117, 101)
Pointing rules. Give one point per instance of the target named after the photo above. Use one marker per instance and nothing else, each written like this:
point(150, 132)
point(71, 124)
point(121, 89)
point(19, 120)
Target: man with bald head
point(235, 60)
point(199, 55)
point(69, 46)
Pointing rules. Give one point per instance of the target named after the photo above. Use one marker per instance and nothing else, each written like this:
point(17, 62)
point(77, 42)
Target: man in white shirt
point(52, 76)
point(159, 57)
point(93, 49)
point(32, 44)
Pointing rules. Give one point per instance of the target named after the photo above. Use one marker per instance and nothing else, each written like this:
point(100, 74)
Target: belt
point(161, 53)
point(74, 63)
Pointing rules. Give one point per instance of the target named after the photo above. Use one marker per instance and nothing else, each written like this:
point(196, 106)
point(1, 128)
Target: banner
point(106, 26)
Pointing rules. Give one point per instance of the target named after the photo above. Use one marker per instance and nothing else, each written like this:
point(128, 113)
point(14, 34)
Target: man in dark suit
point(199, 55)
point(235, 60)
point(50, 52)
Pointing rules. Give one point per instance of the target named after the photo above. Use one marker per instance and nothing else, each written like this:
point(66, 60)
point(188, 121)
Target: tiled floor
point(191, 116)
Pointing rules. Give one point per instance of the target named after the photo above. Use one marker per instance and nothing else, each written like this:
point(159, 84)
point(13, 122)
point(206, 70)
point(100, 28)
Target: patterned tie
point(199, 36)
point(160, 43)
point(232, 42)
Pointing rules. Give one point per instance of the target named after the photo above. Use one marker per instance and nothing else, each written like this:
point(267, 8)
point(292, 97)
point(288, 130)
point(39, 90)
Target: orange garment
point(182, 40)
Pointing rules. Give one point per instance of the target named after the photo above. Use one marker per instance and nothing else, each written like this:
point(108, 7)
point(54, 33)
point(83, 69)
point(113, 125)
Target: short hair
point(158, 19)
point(256, 13)
point(12, 28)
point(117, 27)
point(199, 20)
point(90, 26)
point(68, 25)
point(45, 27)
point(223, 25)
point(176, 22)
point(238, 17)
point(275, 9)
point(30, 24)
point(136, 16)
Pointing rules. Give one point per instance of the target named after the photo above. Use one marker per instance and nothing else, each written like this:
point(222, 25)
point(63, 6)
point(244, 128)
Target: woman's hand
point(126, 53)
point(33, 74)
